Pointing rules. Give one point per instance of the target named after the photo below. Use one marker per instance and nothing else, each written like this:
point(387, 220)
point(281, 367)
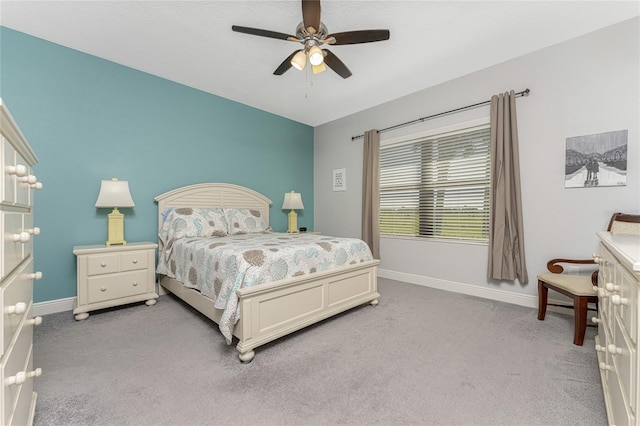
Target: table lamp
point(293, 202)
point(115, 193)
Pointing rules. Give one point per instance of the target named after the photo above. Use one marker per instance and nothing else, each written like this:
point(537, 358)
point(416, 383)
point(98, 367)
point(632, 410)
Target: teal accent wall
point(89, 119)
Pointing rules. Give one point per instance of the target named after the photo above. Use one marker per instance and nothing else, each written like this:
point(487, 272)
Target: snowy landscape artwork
point(596, 160)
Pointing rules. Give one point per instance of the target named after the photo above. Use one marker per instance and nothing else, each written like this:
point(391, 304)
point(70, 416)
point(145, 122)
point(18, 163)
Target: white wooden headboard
point(208, 195)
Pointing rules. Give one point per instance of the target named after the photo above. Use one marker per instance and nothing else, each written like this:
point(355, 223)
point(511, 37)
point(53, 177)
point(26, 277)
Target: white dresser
point(17, 396)
point(618, 325)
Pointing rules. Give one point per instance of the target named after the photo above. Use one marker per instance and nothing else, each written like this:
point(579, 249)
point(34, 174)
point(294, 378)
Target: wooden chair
point(577, 287)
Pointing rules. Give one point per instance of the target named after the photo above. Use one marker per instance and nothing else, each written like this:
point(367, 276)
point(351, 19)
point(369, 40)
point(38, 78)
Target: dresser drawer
point(628, 304)
point(11, 224)
point(17, 359)
point(17, 290)
point(25, 401)
point(116, 286)
point(8, 180)
point(16, 190)
point(23, 188)
point(98, 264)
point(623, 355)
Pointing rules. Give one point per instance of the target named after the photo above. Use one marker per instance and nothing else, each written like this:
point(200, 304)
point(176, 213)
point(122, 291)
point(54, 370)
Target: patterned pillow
point(245, 221)
point(186, 222)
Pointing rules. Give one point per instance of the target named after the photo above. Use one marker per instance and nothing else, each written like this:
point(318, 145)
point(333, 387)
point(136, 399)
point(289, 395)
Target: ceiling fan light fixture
point(316, 57)
point(299, 60)
point(318, 68)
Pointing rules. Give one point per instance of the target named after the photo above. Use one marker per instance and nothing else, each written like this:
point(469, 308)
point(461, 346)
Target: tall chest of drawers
point(618, 326)
point(17, 395)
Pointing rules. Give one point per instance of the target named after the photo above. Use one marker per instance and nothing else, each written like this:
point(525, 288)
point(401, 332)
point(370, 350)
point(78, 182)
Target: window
point(437, 186)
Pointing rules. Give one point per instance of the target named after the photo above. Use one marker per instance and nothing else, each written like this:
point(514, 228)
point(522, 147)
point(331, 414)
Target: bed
point(264, 311)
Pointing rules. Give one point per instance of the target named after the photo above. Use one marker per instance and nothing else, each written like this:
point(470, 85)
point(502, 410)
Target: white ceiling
point(191, 42)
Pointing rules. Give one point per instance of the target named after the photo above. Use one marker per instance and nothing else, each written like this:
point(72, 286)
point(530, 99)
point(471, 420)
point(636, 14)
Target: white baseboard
point(67, 304)
point(53, 306)
point(473, 290)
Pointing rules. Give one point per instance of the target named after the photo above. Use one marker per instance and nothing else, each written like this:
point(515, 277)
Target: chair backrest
point(625, 223)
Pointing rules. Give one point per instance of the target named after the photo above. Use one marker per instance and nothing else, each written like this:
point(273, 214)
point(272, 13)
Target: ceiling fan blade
point(355, 37)
point(311, 15)
point(336, 64)
point(263, 33)
point(285, 65)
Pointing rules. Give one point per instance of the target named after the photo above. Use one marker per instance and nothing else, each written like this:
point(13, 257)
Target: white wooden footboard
point(273, 310)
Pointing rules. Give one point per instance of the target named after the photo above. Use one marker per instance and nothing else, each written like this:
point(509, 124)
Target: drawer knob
point(612, 287)
point(18, 170)
point(17, 309)
point(605, 367)
point(603, 293)
point(31, 179)
point(35, 276)
point(103, 264)
point(617, 300)
point(34, 231)
point(37, 185)
point(600, 348)
point(135, 283)
point(596, 258)
point(613, 349)
point(35, 321)
point(22, 237)
point(22, 376)
point(135, 261)
point(103, 289)
point(595, 320)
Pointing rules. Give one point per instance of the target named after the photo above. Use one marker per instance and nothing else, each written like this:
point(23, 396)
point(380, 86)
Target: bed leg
point(374, 302)
point(247, 357)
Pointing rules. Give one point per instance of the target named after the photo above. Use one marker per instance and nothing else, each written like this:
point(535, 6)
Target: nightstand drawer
point(116, 286)
point(102, 264)
point(134, 260)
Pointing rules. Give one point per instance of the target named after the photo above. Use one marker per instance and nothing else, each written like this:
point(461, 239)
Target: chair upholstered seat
point(579, 288)
point(575, 284)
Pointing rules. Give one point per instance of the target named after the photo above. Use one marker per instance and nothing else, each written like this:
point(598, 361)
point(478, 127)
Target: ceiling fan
point(313, 34)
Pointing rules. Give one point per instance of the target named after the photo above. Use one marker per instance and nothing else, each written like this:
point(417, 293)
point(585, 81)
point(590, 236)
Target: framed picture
point(596, 160)
point(340, 180)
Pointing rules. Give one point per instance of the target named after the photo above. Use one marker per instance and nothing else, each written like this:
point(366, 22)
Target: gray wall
point(583, 86)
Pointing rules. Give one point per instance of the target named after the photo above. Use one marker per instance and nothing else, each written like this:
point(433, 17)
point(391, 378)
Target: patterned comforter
point(218, 266)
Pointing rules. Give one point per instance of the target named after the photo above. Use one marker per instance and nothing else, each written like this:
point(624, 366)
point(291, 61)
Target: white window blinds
point(437, 186)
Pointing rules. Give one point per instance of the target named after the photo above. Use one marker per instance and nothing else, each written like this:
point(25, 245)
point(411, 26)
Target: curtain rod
point(525, 92)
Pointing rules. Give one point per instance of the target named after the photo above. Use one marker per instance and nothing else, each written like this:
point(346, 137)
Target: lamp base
point(115, 228)
point(293, 222)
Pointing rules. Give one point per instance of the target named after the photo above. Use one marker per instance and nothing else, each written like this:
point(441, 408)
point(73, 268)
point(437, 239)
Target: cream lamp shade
point(293, 202)
point(299, 60)
point(115, 193)
point(318, 68)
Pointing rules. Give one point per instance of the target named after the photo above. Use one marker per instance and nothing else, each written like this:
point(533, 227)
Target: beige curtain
point(506, 235)
point(371, 191)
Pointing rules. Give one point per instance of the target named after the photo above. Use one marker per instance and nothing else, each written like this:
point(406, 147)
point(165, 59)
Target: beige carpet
point(422, 356)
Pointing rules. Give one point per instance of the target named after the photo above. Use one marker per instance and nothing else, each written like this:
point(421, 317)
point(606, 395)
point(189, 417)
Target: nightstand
point(114, 275)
